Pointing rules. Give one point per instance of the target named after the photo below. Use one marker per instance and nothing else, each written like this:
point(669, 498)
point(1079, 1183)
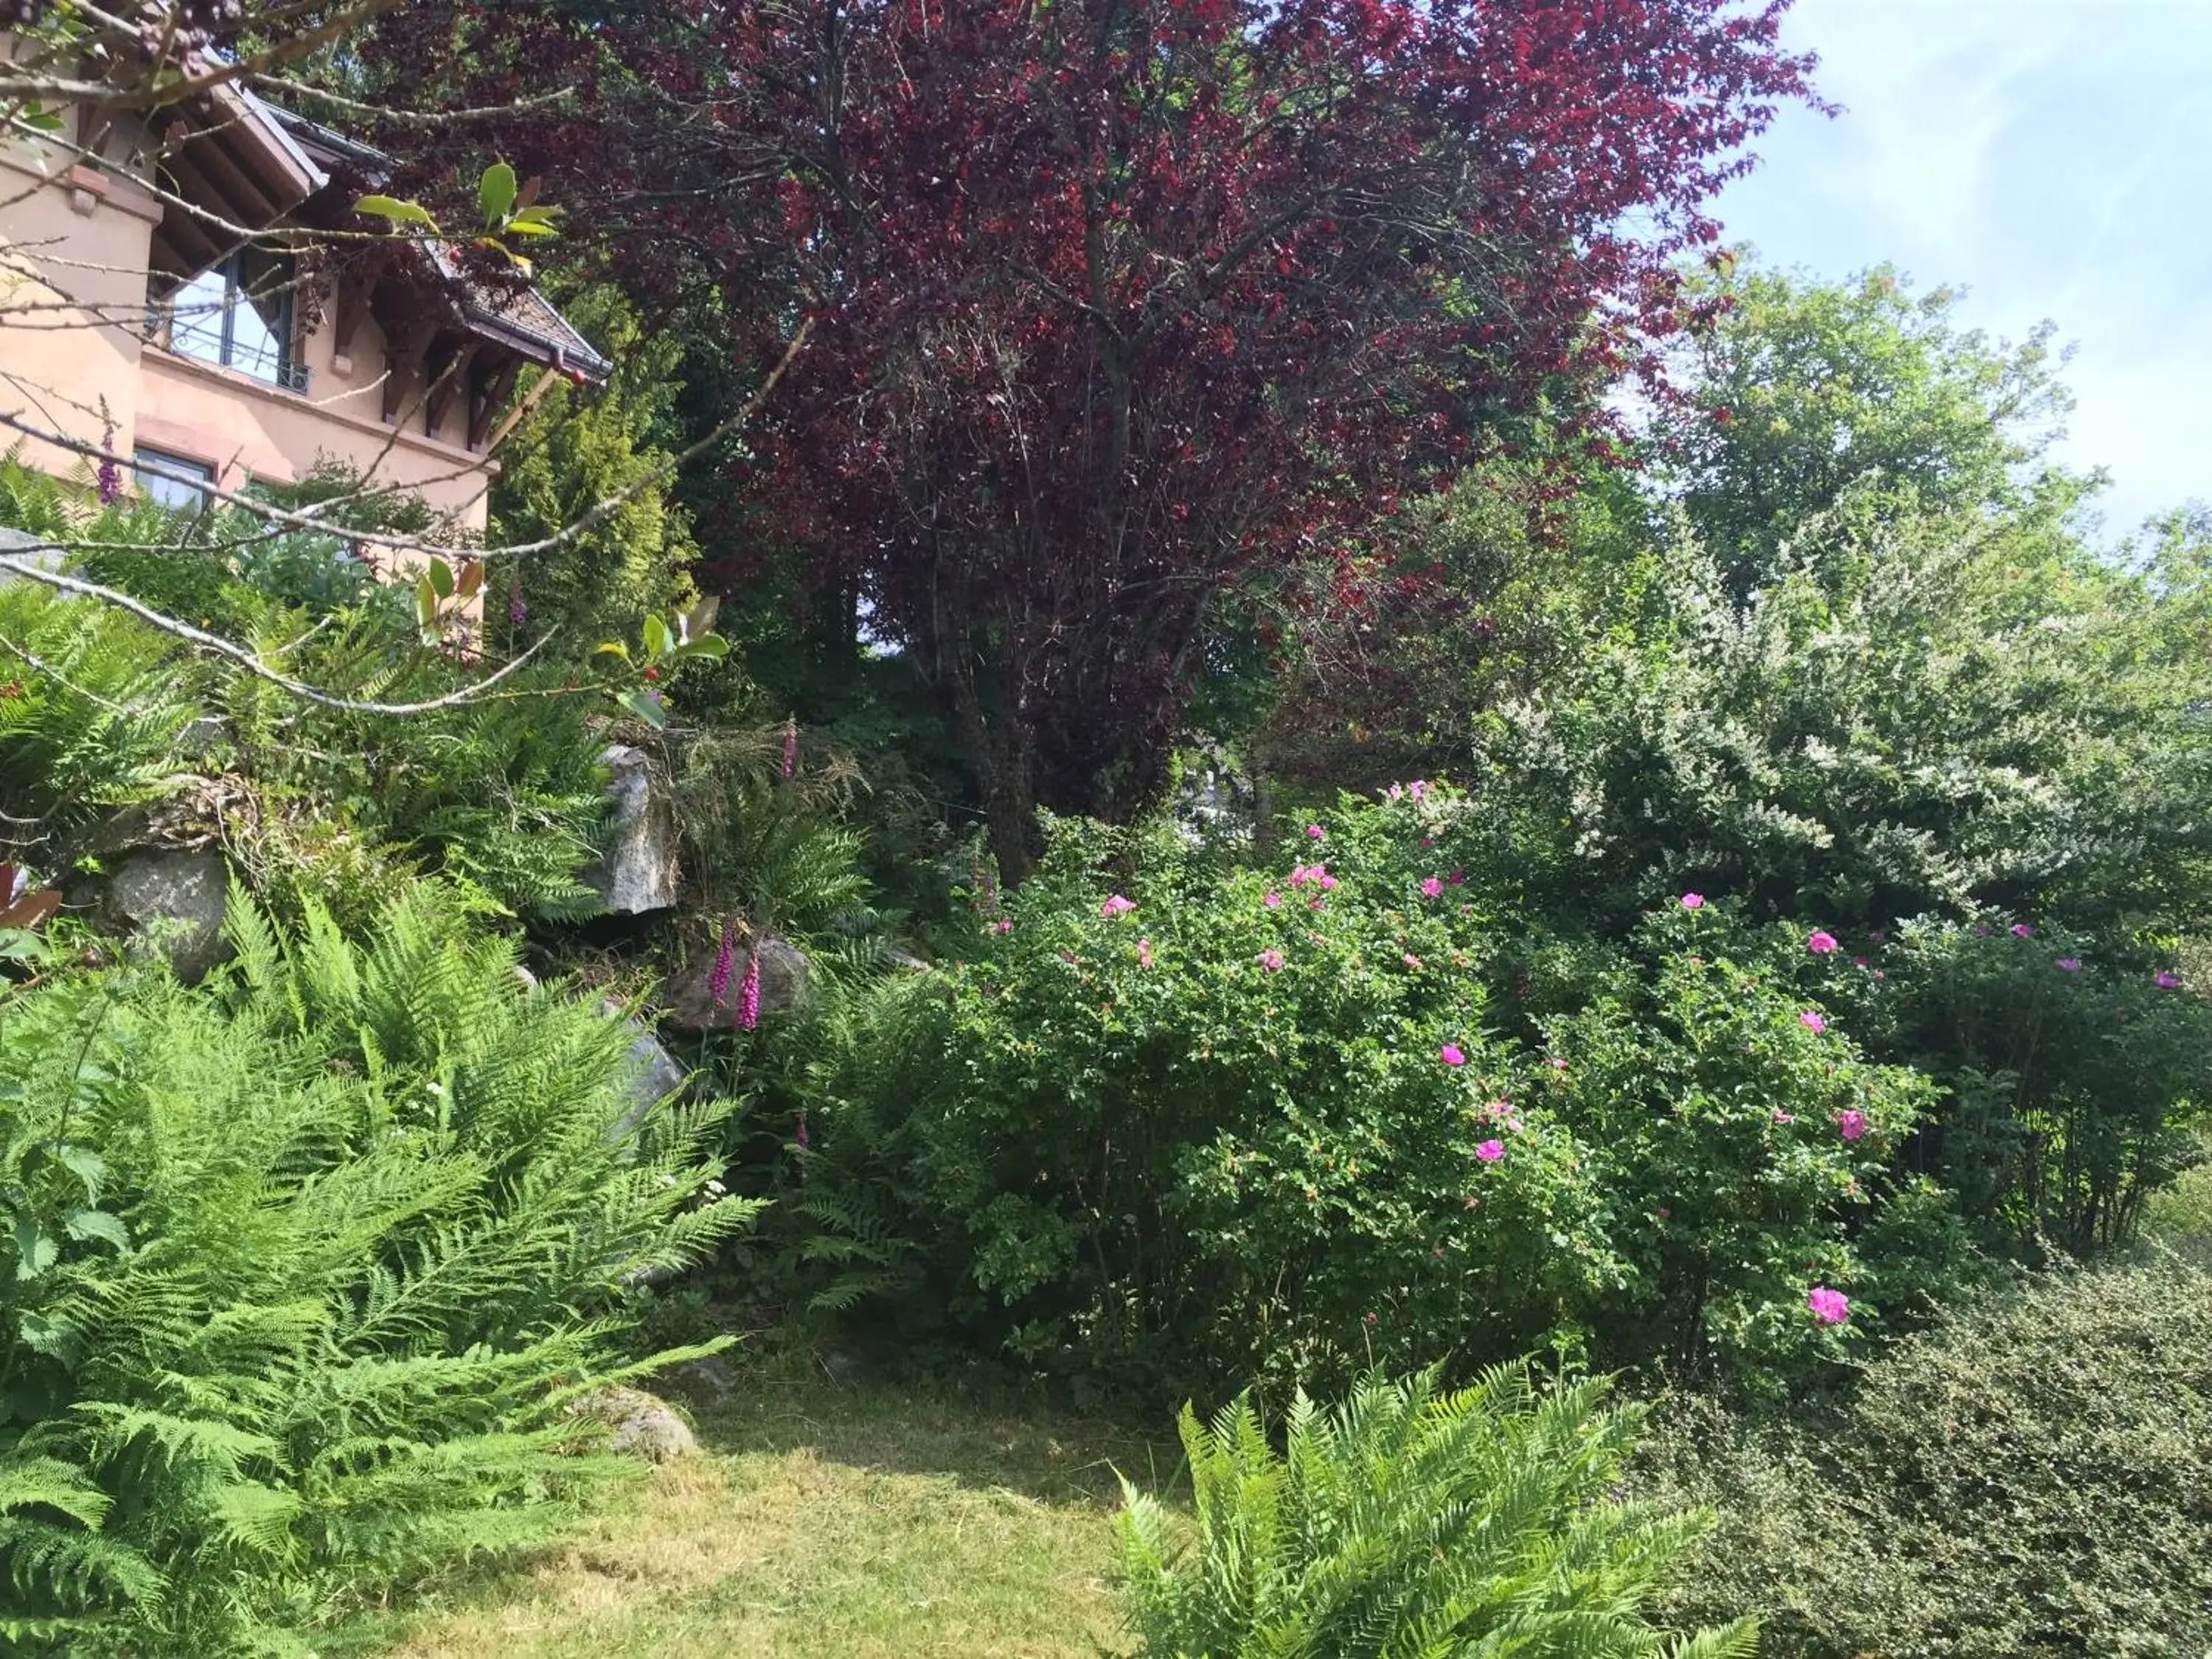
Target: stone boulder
point(653, 1076)
point(643, 1426)
point(638, 873)
point(688, 999)
point(32, 549)
point(174, 901)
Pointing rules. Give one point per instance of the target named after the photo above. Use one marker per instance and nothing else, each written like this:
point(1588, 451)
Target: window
point(238, 315)
point(171, 480)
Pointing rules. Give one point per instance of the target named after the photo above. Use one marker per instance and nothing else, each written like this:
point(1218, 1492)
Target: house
point(176, 293)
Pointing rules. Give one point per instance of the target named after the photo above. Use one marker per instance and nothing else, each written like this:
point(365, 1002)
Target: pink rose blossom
point(1418, 788)
point(1314, 832)
point(1457, 878)
point(1432, 888)
point(1781, 1116)
point(1410, 960)
point(1451, 1054)
point(1396, 792)
point(1327, 881)
point(1117, 906)
point(1272, 960)
point(1273, 900)
point(2022, 930)
point(1829, 1306)
point(1858, 962)
point(1821, 943)
point(1491, 1151)
point(1314, 904)
point(1144, 953)
point(1558, 1065)
point(1004, 927)
point(2168, 981)
point(1852, 1124)
point(1693, 901)
point(2070, 964)
point(1812, 1022)
point(1300, 875)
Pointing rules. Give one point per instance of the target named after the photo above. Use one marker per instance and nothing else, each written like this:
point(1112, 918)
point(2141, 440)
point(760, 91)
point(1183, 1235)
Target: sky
point(2051, 157)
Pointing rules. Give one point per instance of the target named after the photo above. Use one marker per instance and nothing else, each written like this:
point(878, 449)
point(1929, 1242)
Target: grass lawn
point(820, 1520)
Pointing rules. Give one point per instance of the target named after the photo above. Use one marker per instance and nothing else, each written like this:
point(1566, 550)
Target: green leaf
point(533, 223)
point(496, 192)
point(656, 638)
point(84, 1164)
point(647, 706)
point(397, 211)
point(35, 1249)
point(707, 645)
point(440, 577)
point(612, 648)
point(96, 1223)
point(471, 579)
point(426, 604)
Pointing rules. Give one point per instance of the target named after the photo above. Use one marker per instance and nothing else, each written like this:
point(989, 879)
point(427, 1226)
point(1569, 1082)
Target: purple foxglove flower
point(748, 998)
point(718, 983)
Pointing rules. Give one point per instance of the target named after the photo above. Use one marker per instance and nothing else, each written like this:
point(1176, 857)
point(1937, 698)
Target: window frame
point(290, 372)
point(182, 471)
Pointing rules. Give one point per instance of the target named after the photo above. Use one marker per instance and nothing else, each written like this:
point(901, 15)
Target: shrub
point(298, 1272)
point(1207, 1135)
point(2072, 1074)
point(1408, 1520)
point(2033, 1478)
point(1743, 1146)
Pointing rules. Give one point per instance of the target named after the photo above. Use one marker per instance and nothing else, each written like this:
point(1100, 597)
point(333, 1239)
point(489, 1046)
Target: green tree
point(575, 449)
point(1799, 389)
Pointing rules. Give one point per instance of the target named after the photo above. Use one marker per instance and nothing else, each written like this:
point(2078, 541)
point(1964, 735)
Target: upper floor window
point(237, 315)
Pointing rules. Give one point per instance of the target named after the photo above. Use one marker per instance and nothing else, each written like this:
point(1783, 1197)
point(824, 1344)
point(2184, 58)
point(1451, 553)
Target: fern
point(373, 1209)
point(1411, 1523)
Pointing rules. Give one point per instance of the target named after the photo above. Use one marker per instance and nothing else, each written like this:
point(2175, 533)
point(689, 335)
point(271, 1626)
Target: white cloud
point(2046, 155)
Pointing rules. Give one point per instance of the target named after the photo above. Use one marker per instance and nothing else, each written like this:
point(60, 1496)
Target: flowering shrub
point(1742, 1142)
point(1180, 1121)
point(2071, 1079)
point(1164, 1121)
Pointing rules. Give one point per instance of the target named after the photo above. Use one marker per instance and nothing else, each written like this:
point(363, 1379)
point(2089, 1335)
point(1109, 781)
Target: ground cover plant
point(2029, 1478)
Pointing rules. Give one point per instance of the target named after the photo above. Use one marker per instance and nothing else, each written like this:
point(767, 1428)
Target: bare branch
point(214, 645)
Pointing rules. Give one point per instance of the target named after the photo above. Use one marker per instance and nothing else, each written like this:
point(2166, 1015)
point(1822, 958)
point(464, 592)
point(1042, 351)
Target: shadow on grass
point(983, 1431)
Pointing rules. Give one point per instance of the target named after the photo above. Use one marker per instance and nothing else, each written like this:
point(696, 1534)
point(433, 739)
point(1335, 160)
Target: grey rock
point(638, 873)
point(197, 739)
point(653, 1076)
point(643, 1426)
point(175, 900)
point(34, 549)
point(786, 978)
